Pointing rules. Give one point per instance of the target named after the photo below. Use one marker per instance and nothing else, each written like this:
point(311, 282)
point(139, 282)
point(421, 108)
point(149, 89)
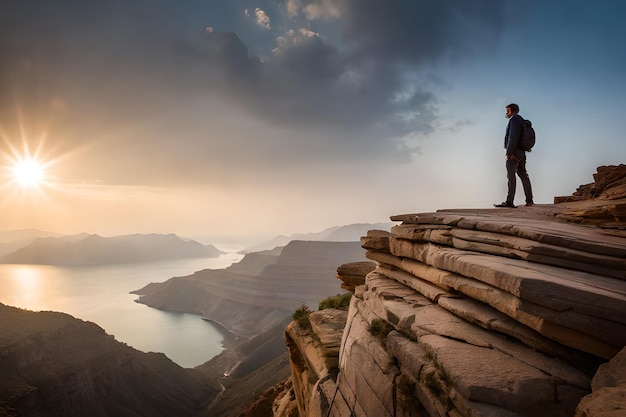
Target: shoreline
point(230, 338)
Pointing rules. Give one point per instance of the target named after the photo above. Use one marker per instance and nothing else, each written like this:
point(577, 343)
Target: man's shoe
point(530, 203)
point(505, 204)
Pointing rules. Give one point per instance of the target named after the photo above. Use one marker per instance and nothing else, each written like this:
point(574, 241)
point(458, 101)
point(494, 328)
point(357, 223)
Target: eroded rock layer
point(479, 313)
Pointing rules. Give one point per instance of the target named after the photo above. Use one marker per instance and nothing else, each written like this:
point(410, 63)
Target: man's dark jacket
point(513, 136)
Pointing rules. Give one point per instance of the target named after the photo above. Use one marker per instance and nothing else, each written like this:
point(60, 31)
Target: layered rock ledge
point(489, 312)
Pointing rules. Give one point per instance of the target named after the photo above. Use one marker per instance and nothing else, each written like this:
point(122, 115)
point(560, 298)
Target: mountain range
point(346, 233)
point(31, 246)
point(91, 249)
point(53, 364)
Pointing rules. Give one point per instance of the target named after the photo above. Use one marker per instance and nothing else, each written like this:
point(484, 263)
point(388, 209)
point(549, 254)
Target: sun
point(28, 167)
point(28, 172)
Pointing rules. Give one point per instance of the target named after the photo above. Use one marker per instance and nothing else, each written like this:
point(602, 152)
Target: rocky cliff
point(467, 313)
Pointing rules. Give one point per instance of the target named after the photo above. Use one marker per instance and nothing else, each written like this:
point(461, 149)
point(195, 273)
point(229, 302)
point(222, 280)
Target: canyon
point(454, 313)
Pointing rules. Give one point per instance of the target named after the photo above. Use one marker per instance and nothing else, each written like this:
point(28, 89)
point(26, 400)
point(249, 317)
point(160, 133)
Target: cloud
point(346, 80)
point(355, 79)
point(314, 9)
point(262, 19)
point(418, 32)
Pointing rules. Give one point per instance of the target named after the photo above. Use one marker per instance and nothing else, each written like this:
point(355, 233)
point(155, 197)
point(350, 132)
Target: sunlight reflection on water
point(101, 294)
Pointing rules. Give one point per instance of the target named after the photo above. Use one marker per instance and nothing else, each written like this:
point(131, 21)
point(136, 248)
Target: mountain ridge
point(260, 290)
point(93, 249)
point(54, 364)
point(346, 233)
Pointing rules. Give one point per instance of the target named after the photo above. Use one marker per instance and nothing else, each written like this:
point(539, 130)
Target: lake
point(101, 294)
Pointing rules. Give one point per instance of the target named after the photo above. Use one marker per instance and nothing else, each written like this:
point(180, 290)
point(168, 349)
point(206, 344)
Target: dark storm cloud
point(360, 77)
point(342, 80)
point(417, 32)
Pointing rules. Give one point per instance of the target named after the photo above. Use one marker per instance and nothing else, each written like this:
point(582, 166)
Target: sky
point(241, 120)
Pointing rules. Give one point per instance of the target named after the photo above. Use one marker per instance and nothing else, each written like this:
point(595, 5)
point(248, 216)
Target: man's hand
point(511, 157)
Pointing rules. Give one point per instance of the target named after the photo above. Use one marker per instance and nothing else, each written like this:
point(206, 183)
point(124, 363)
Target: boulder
point(353, 274)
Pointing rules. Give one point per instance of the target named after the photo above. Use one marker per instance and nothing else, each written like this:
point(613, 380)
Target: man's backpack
point(528, 136)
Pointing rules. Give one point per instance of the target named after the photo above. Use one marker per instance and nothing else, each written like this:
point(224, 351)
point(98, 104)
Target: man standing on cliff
point(515, 158)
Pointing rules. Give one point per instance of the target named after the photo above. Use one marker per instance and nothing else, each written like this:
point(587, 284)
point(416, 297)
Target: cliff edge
point(468, 313)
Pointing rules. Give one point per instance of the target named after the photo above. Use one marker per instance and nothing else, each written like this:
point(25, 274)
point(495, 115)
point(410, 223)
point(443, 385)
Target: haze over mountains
point(41, 247)
point(89, 249)
point(12, 240)
point(254, 299)
point(347, 233)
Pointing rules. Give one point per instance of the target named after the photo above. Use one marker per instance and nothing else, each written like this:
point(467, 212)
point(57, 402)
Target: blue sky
point(254, 118)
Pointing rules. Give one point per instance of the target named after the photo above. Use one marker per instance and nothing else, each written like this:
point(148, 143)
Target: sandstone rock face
point(314, 351)
point(565, 282)
point(609, 184)
point(353, 274)
point(602, 202)
point(490, 313)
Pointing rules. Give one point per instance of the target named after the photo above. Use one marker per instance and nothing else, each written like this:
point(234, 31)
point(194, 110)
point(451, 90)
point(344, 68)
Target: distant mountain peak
point(93, 249)
point(346, 233)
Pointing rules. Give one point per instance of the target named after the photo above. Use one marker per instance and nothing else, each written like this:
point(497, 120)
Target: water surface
point(101, 294)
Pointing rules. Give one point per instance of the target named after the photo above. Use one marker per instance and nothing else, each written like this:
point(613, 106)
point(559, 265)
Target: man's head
point(511, 110)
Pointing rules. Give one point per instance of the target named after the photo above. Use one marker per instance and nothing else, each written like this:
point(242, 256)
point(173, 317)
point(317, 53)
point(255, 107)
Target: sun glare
point(27, 168)
point(25, 171)
point(28, 172)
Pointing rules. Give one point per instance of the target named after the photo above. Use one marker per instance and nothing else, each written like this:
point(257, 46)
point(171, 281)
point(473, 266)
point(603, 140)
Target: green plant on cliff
point(301, 315)
point(339, 301)
point(380, 328)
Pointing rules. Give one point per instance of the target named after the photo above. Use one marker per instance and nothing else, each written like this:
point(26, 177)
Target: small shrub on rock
point(301, 315)
point(339, 301)
point(380, 329)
